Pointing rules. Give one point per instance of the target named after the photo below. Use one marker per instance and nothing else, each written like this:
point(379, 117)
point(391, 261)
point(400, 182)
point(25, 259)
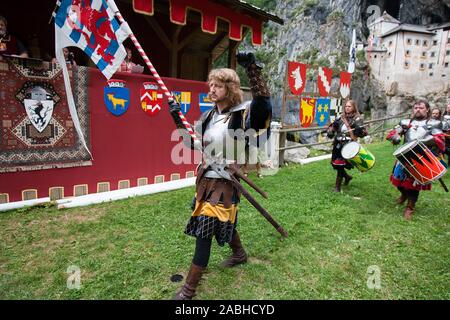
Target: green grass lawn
point(129, 249)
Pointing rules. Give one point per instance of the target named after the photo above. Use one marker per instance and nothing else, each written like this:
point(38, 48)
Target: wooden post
point(283, 103)
point(174, 55)
point(232, 49)
point(281, 145)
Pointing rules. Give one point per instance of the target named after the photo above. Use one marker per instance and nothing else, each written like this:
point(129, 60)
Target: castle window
point(389, 54)
point(407, 53)
point(425, 43)
point(431, 74)
point(422, 66)
point(408, 41)
point(390, 43)
point(446, 64)
point(406, 65)
point(430, 66)
point(433, 54)
point(435, 42)
point(417, 42)
point(375, 56)
point(448, 53)
point(424, 54)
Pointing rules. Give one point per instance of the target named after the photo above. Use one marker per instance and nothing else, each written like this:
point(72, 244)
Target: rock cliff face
point(318, 32)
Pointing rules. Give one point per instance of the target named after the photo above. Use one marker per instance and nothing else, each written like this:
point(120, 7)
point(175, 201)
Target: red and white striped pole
point(197, 143)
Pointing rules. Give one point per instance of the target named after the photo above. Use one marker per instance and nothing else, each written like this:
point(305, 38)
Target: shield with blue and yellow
point(184, 99)
point(116, 97)
point(204, 102)
point(322, 111)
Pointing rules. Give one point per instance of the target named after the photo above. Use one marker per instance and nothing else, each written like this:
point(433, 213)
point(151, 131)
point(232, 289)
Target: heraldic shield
point(151, 99)
point(184, 99)
point(344, 88)
point(322, 111)
point(204, 102)
point(116, 97)
point(296, 77)
point(324, 81)
point(307, 111)
point(39, 108)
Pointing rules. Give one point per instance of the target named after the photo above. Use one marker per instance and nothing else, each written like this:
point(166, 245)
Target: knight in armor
point(225, 131)
point(423, 128)
point(348, 127)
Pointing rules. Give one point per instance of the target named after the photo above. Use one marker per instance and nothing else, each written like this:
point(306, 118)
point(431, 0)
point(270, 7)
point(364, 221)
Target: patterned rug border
point(75, 156)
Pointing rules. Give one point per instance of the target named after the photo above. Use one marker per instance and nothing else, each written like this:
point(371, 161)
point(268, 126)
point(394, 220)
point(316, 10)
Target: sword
point(235, 170)
point(226, 175)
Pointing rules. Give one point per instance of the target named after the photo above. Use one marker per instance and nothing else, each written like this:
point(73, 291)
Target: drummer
point(348, 127)
point(425, 129)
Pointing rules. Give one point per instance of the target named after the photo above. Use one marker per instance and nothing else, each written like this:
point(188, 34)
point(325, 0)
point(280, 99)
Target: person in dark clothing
point(9, 44)
point(348, 127)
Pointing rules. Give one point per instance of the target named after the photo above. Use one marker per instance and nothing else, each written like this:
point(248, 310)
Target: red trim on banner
point(210, 12)
point(144, 7)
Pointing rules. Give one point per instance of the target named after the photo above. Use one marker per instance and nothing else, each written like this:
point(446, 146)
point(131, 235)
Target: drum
point(358, 156)
point(420, 162)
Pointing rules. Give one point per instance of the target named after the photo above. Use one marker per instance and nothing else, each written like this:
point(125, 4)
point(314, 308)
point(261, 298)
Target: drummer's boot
point(409, 210)
point(402, 198)
point(347, 179)
point(337, 187)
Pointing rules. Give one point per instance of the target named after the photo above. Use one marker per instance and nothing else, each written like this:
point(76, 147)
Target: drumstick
point(443, 184)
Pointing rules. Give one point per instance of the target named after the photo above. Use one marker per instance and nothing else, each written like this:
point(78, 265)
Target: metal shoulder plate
point(435, 126)
point(404, 123)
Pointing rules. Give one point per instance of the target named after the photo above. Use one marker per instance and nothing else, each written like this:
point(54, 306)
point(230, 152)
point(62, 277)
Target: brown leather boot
point(187, 292)
point(239, 255)
point(337, 187)
point(347, 179)
point(409, 210)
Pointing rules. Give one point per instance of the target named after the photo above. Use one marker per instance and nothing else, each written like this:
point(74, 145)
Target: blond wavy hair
point(232, 83)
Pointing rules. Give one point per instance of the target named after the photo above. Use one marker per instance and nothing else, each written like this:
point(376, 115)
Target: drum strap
point(350, 130)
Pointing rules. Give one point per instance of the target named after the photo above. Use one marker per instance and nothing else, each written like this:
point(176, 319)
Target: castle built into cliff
point(410, 59)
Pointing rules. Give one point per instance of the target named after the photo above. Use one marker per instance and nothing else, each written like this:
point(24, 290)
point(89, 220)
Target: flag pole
point(58, 3)
point(197, 143)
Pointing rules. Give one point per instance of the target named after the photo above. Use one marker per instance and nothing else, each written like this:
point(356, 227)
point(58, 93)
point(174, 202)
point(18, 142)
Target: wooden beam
point(232, 48)
point(174, 52)
point(188, 39)
point(151, 21)
point(219, 46)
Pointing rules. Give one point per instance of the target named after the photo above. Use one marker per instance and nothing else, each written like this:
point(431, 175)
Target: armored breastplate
point(215, 133)
point(422, 129)
point(218, 143)
point(446, 123)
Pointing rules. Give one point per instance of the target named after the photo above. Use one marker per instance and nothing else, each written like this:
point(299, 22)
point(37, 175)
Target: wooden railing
point(379, 129)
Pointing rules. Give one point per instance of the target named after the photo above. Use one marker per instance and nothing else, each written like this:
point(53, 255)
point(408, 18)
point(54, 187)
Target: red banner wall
point(125, 147)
